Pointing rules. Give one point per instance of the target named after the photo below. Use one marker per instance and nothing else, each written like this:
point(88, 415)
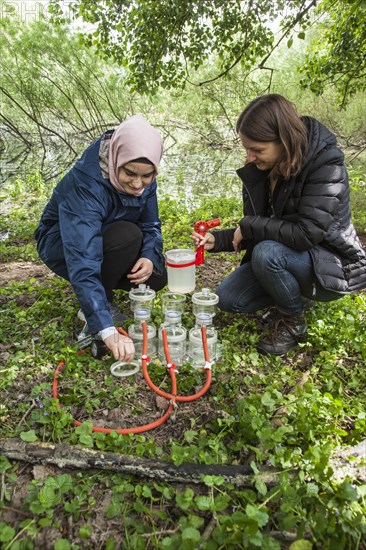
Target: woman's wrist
point(106, 332)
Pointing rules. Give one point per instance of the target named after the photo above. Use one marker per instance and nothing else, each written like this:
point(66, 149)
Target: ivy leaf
point(7, 533)
point(184, 500)
point(204, 503)
point(261, 518)
point(212, 481)
point(62, 544)
point(190, 435)
point(190, 533)
point(86, 440)
point(301, 544)
point(29, 436)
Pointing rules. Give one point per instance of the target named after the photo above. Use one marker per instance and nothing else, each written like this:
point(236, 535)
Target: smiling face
point(264, 154)
point(135, 176)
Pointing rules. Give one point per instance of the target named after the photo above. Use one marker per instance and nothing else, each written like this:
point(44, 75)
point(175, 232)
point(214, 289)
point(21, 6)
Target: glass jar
point(176, 338)
point(173, 301)
point(142, 297)
point(195, 347)
point(135, 331)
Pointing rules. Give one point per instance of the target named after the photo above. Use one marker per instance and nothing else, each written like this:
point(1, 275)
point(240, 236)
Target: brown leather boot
point(284, 333)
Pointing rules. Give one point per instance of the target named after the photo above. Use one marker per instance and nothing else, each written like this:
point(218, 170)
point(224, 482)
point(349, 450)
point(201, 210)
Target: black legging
point(122, 243)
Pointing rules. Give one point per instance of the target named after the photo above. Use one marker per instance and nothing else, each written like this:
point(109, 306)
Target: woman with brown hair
point(297, 231)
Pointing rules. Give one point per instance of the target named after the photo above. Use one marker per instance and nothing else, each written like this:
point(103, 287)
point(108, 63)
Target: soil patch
point(23, 271)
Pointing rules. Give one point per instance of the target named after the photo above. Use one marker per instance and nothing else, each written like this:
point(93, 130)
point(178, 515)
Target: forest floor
point(208, 275)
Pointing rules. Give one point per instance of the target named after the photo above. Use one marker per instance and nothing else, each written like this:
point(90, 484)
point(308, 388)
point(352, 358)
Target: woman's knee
point(157, 281)
point(264, 250)
point(227, 300)
point(123, 234)
point(266, 254)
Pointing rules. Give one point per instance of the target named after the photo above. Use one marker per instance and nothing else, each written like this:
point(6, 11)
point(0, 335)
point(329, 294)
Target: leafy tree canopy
point(338, 53)
point(163, 42)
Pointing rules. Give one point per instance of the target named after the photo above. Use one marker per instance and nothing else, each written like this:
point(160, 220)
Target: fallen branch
point(70, 456)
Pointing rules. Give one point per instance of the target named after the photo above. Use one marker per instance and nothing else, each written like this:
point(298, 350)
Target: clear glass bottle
point(176, 337)
point(135, 331)
point(195, 348)
point(204, 302)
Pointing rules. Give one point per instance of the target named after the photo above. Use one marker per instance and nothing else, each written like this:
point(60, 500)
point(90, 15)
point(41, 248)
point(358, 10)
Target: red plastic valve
point(202, 227)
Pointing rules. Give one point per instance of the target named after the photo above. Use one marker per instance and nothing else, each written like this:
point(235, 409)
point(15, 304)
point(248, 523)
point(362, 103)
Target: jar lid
point(142, 293)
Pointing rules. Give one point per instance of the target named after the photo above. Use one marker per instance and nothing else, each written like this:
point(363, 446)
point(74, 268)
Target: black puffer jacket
point(310, 212)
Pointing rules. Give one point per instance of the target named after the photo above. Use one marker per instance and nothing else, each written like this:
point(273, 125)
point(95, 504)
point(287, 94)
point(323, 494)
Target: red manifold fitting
point(202, 227)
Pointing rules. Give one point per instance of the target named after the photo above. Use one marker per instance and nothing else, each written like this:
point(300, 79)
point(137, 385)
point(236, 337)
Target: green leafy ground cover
point(291, 414)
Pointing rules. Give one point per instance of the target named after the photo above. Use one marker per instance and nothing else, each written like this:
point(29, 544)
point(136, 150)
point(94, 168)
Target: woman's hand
point(121, 346)
point(208, 240)
point(238, 237)
point(141, 271)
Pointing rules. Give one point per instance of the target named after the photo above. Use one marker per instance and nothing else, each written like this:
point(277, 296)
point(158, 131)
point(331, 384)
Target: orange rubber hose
point(180, 398)
point(123, 431)
point(171, 396)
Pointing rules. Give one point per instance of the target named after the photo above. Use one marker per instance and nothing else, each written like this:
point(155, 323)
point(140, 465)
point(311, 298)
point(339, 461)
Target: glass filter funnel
point(142, 297)
point(142, 315)
point(204, 301)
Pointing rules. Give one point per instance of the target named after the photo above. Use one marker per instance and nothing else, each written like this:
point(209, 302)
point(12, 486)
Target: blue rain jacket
point(70, 232)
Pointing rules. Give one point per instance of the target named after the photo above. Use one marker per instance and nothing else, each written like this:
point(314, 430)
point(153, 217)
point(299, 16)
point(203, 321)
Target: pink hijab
point(134, 138)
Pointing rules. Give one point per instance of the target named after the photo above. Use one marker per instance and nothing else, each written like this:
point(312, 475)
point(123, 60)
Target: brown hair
point(272, 117)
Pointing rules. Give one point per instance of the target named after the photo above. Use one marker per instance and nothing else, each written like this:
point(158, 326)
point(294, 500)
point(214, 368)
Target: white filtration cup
point(181, 270)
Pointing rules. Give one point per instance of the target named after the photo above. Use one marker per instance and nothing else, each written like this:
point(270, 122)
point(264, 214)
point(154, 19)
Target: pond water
point(205, 172)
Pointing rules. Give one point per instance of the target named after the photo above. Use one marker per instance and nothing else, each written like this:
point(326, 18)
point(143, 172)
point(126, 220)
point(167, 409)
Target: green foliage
point(338, 53)
point(358, 200)
point(163, 43)
point(59, 95)
point(55, 92)
point(19, 218)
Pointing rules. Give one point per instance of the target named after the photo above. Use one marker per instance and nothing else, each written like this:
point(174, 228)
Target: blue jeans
point(276, 275)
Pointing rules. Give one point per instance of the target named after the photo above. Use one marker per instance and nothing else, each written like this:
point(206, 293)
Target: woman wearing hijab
point(101, 229)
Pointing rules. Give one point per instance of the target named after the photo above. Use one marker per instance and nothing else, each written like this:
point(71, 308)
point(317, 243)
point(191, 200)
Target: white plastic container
point(181, 270)
point(176, 337)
